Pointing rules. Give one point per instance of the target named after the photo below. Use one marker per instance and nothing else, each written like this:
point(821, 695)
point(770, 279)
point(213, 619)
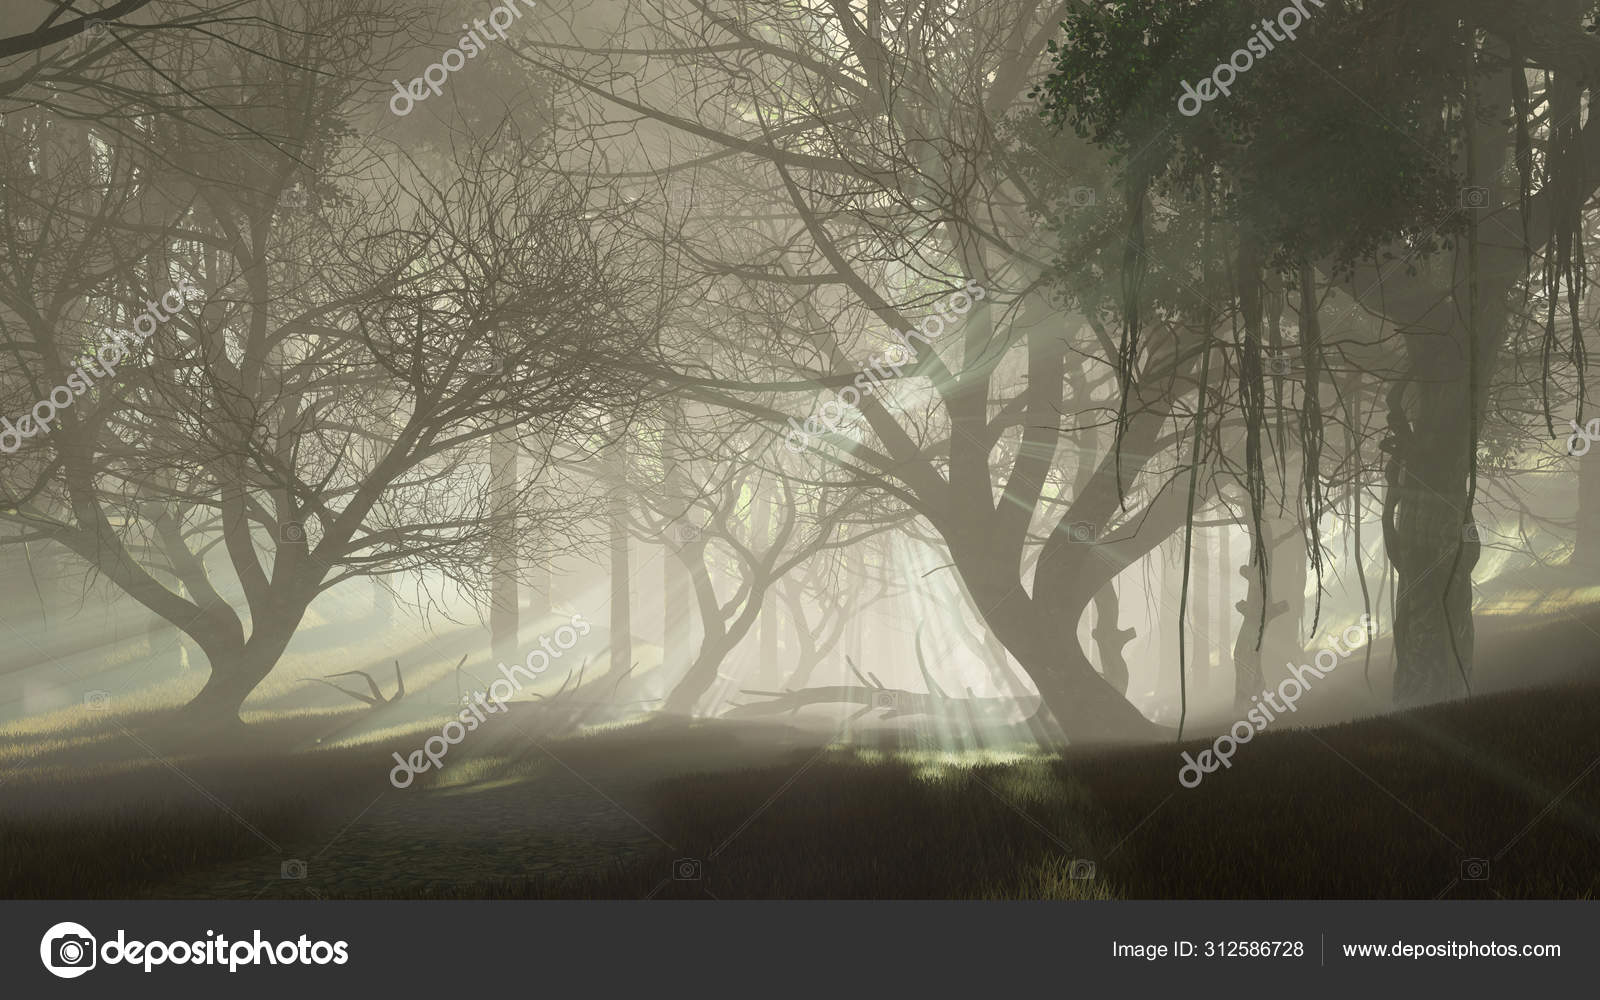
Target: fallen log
point(892, 702)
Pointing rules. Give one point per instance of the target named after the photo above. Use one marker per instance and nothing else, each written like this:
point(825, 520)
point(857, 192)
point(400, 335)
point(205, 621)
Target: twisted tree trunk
point(1433, 543)
point(1110, 640)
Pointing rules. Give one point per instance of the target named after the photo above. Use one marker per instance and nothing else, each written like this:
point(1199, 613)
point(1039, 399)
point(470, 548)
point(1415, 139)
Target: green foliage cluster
point(1338, 143)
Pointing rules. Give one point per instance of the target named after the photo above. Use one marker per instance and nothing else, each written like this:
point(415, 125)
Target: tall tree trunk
point(1223, 627)
point(1253, 639)
point(999, 661)
point(807, 656)
point(1429, 530)
point(1041, 630)
point(621, 603)
point(227, 686)
point(990, 651)
point(1452, 343)
point(720, 635)
point(1290, 573)
point(697, 680)
point(1171, 568)
point(852, 633)
point(1247, 680)
point(1200, 617)
point(768, 670)
point(238, 666)
point(676, 635)
point(504, 606)
point(1432, 542)
point(165, 645)
point(1110, 640)
point(806, 662)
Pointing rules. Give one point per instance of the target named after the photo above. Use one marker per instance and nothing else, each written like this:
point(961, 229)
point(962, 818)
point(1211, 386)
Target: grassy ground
point(1398, 807)
point(1388, 807)
point(111, 804)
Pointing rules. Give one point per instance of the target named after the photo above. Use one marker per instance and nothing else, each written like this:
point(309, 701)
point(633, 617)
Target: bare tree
point(856, 173)
point(325, 411)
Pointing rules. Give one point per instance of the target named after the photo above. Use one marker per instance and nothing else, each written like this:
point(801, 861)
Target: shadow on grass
point(1400, 806)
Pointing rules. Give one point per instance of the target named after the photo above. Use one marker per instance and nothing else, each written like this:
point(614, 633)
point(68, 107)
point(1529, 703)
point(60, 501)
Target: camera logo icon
point(94, 32)
point(292, 533)
point(1080, 869)
point(68, 950)
point(687, 870)
point(1475, 197)
point(1082, 197)
point(293, 868)
point(1475, 869)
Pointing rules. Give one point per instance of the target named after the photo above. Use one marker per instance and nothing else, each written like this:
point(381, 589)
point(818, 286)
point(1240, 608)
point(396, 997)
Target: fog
point(586, 427)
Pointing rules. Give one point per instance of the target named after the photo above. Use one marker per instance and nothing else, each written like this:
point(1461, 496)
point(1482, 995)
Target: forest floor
point(1418, 804)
